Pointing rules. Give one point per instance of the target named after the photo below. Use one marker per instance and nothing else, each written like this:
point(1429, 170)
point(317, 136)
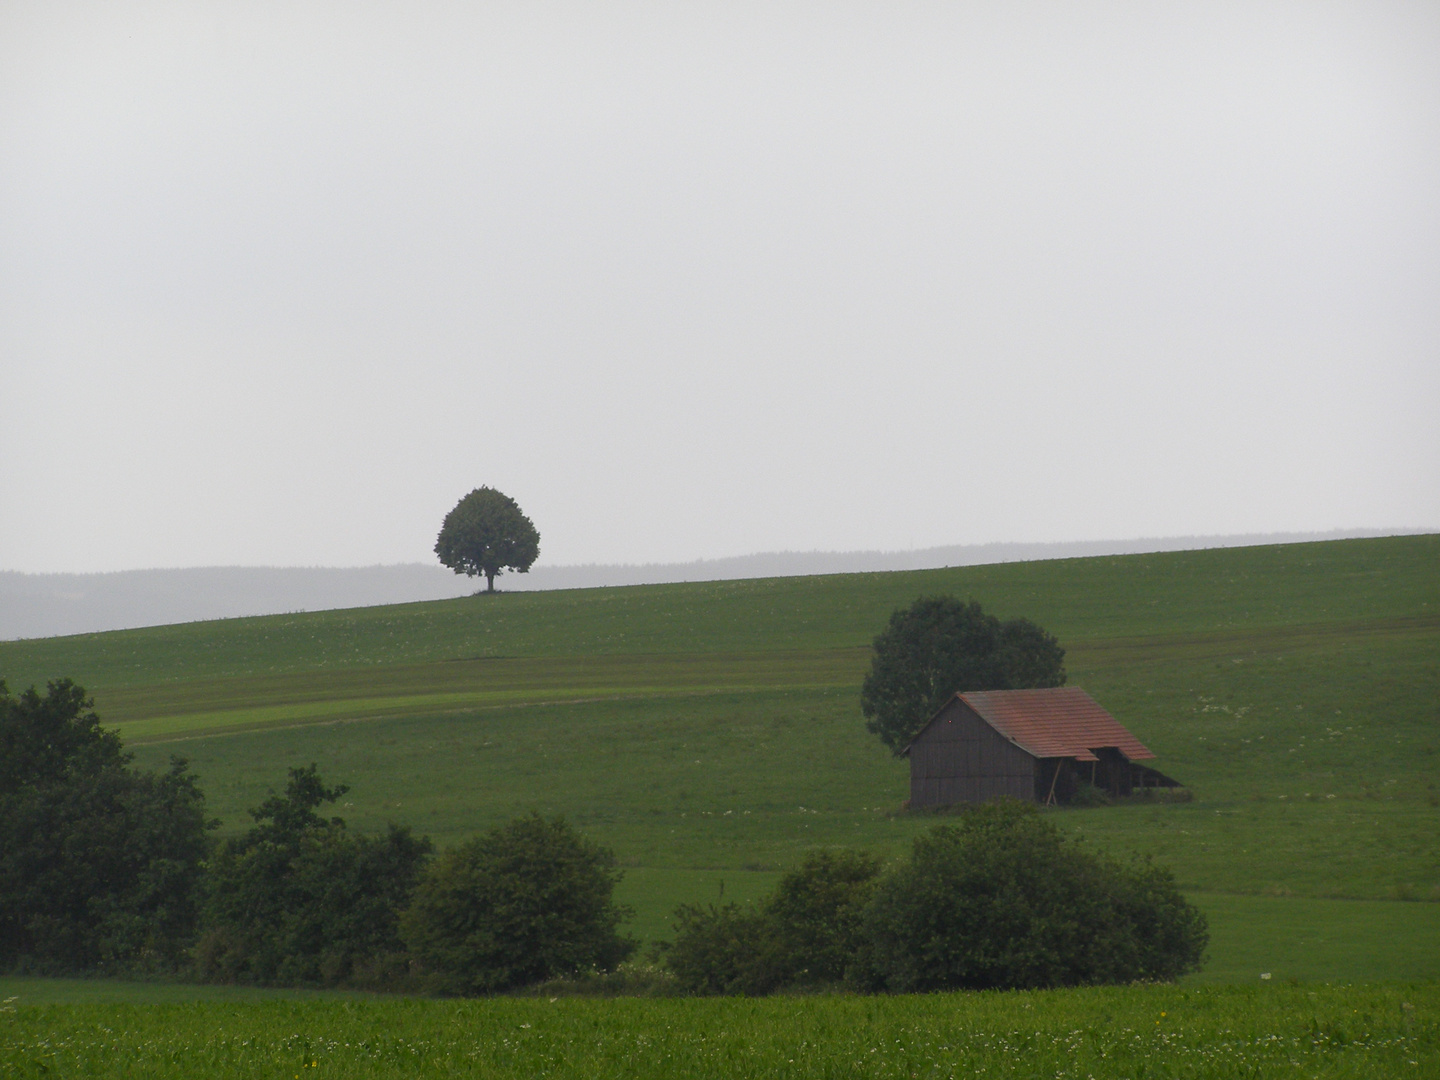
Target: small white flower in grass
point(1265, 975)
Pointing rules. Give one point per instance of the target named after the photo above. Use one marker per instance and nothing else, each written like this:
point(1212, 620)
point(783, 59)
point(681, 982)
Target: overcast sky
point(280, 282)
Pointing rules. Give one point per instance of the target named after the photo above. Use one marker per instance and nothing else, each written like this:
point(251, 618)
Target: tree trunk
point(489, 581)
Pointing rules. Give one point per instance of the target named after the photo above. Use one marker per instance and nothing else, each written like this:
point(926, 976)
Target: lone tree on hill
point(487, 533)
point(939, 646)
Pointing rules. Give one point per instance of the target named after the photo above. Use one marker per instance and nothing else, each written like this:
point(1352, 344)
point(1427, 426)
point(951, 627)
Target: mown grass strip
point(232, 721)
point(479, 674)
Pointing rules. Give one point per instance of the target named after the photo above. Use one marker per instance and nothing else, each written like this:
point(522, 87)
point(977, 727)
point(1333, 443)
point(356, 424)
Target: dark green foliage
point(728, 949)
point(1028, 657)
point(299, 901)
point(284, 819)
point(487, 533)
point(809, 932)
point(45, 739)
point(1003, 900)
point(939, 646)
point(817, 915)
point(99, 862)
point(528, 901)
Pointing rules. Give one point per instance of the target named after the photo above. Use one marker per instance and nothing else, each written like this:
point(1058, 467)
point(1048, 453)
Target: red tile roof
point(1061, 722)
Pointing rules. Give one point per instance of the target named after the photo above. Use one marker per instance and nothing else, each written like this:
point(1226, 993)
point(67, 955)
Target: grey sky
point(280, 282)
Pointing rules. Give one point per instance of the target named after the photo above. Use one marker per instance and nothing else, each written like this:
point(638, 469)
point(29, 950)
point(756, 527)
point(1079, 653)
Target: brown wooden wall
point(960, 758)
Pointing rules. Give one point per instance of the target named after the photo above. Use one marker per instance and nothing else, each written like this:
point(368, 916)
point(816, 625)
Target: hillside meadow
point(710, 733)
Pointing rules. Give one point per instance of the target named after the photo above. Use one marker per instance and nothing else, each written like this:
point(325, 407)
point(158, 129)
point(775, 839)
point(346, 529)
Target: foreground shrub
point(298, 901)
point(724, 950)
point(526, 902)
point(1001, 899)
point(816, 915)
point(808, 933)
point(99, 862)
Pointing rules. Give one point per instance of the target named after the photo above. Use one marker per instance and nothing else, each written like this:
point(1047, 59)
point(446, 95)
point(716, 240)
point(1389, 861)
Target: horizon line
point(1279, 536)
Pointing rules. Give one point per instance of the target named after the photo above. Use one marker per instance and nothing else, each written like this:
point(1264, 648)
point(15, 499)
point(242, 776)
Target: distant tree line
point(105, 868)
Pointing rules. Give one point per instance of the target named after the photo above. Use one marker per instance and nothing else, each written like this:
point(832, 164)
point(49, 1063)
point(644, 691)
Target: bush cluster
point(298, 901)
point(997, 900)
point(526, 902)
point(108, 869)
point(805, 935)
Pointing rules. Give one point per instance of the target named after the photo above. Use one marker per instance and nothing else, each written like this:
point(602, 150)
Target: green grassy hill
point(710, 733)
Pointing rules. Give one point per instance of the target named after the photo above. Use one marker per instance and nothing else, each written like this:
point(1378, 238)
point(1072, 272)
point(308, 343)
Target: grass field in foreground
point(711, 732)
point(1210, 1032)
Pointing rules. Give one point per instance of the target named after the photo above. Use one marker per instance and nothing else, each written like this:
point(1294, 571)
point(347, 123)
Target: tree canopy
point(1002, 900)
point(299, 901)
point(808, 933)
point(525, 902)
point(940, 646)
point(485, 534)
point(99, 862)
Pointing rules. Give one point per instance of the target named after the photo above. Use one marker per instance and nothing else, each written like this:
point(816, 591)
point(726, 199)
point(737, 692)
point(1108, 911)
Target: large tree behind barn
point(938, 647)
point(1034, 745)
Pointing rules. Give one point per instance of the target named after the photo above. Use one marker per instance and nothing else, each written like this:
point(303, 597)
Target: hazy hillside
point(47, 605)
point(710, 733)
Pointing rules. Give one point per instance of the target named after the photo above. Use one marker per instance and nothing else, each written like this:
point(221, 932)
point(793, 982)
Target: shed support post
point(1050, 799)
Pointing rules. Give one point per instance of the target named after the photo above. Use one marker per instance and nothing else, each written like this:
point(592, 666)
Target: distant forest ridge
point(47, 605)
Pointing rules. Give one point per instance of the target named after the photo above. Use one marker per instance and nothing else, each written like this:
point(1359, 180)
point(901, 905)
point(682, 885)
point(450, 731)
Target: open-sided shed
point(1026, 744)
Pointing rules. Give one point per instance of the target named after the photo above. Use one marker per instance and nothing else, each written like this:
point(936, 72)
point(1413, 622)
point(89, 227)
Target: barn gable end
point(960, 758)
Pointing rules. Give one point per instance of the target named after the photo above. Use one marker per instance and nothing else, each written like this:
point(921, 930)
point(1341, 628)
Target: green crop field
point(1144, 1031)
point(710, 733)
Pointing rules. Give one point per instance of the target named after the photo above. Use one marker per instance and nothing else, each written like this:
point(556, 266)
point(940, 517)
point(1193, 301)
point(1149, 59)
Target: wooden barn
point(1025, 744)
